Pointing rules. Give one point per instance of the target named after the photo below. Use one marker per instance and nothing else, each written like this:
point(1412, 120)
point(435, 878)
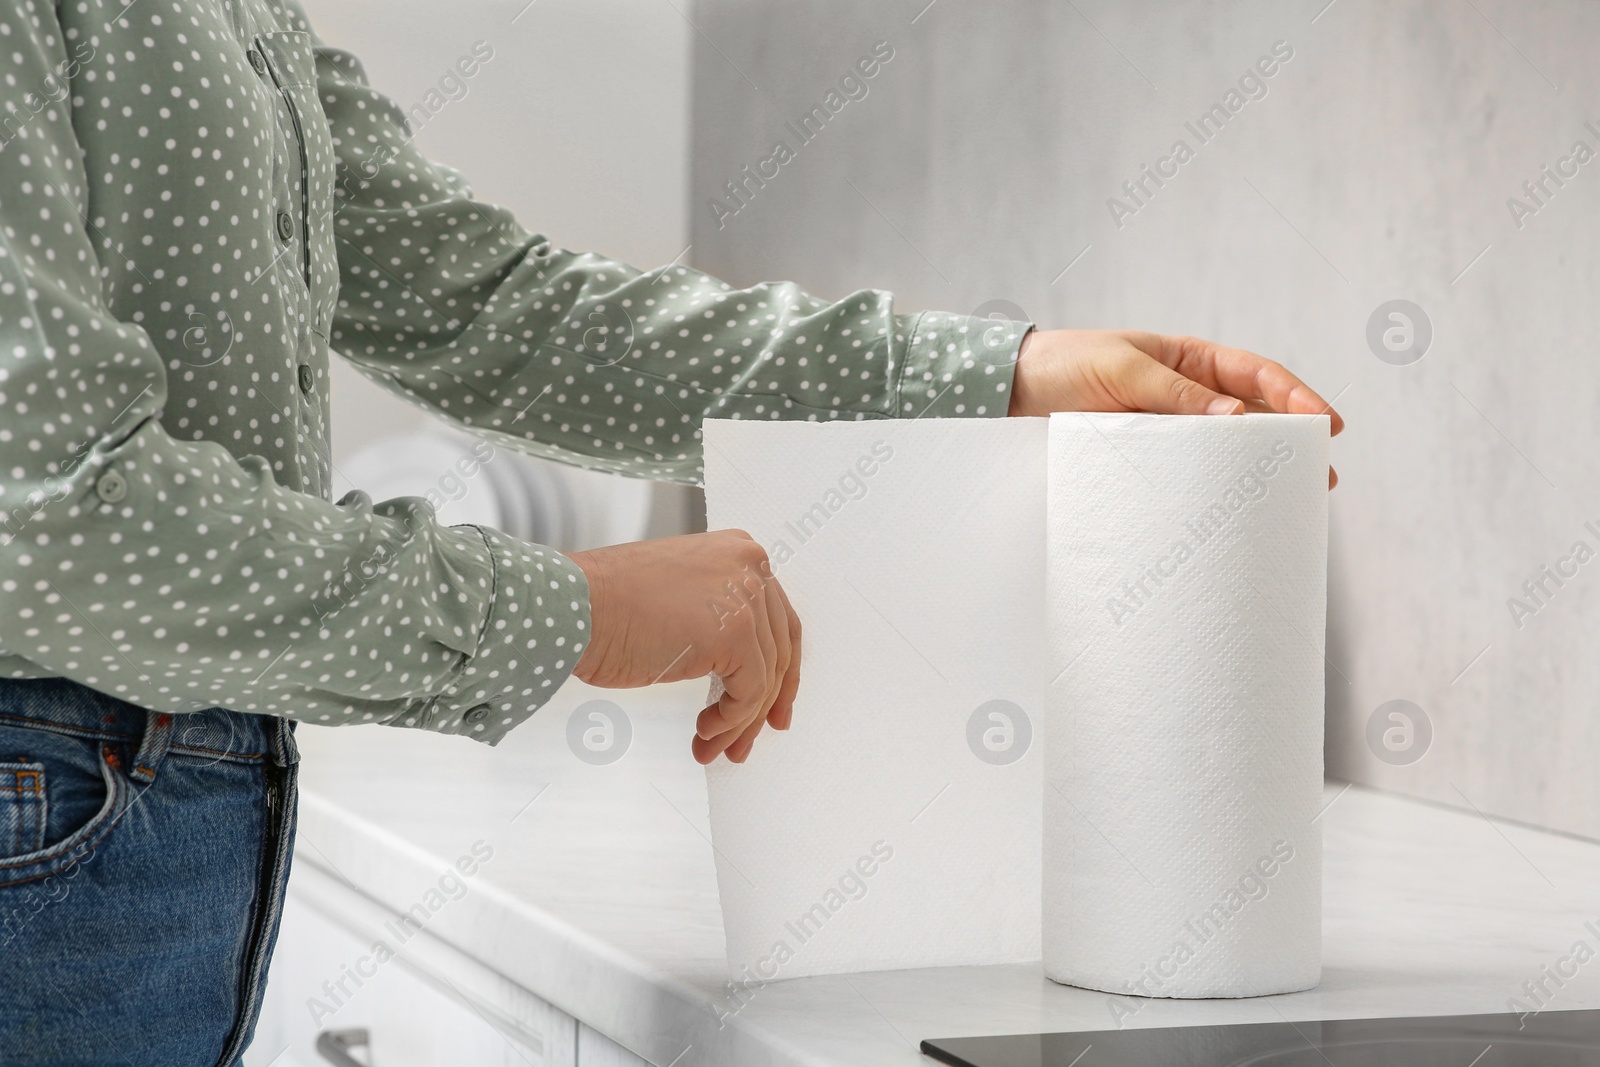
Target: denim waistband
point(64, 706)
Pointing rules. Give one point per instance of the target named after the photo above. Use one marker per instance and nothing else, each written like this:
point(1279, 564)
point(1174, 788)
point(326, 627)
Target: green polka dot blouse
point(198, 201)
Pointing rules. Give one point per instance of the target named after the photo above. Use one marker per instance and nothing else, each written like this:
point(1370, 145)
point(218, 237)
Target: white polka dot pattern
point(196, 200)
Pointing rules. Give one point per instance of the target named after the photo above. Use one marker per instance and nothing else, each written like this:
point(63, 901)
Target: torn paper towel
point(869, 835)
point(899, 823)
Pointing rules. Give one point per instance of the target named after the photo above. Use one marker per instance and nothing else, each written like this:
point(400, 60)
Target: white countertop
point(601, 898)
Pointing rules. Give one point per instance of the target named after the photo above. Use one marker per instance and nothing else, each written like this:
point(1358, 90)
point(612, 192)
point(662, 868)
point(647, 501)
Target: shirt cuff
point(958, 366)
point(535, 630)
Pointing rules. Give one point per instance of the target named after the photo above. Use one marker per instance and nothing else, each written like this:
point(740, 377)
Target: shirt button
point(111, 487)
point(257, 61)
point(477, 714)
point(285, 226)
point(307, 378)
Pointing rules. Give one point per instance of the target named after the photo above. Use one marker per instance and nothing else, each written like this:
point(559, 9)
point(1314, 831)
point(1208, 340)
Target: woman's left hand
point(1126, 370)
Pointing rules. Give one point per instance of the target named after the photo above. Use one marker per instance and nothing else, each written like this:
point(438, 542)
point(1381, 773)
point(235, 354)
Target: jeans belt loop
point(285, 753)
point(153, 749)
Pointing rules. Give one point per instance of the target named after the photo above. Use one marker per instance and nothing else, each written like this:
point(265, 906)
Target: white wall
point(1378, 166)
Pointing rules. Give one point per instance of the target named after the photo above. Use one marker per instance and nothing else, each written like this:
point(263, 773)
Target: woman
point(198, 201)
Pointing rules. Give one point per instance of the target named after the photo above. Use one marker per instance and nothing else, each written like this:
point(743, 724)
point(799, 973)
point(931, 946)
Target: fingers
point(1237, 373)
point(786, 631)
point(778, 616)
point(747, 682)
point(753, 684)
point(735, 743)
point(1262, 384)
point(748, 679)
point(740, 749)
point(1149, 385)
point(732, 725)
point(782, 713)
point(706, 750)
point(740, 739)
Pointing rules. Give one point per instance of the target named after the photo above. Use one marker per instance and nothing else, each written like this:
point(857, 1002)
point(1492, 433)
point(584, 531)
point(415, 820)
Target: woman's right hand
point(685, 607)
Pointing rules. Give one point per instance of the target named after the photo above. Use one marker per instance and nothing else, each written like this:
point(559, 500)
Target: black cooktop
point(1550, 1039)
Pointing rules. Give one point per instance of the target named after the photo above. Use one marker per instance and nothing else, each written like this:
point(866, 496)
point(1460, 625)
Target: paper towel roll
point(1186, 578)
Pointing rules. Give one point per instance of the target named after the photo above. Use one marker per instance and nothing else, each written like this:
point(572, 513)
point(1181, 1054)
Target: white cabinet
point(597, 1050)
point(429, 1005)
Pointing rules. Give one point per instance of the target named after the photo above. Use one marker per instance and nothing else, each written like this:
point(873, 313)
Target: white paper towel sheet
point(900, 822)
point(869, 836)
point(1183, 737)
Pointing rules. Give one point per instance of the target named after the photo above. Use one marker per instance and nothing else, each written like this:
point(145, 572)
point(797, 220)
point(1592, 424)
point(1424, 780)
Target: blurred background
point(578, 121)
point(1397, 200)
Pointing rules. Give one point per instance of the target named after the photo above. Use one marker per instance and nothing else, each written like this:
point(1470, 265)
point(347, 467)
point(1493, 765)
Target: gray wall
point(579, 123)
point(1378, 166)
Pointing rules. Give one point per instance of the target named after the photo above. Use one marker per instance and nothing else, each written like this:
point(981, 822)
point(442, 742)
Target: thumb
point(1153, 386)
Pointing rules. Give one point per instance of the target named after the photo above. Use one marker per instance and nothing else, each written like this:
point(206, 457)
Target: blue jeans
point(143, 859)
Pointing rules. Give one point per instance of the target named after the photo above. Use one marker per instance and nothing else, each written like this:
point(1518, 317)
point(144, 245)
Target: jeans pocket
point(59, 797)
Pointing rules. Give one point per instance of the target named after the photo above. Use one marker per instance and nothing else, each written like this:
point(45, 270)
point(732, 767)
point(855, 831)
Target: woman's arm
point(573, 356)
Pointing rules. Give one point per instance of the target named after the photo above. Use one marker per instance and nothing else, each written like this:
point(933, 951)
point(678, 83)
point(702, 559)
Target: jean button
point(285, 226)
point(477, 714)
point(111, 487)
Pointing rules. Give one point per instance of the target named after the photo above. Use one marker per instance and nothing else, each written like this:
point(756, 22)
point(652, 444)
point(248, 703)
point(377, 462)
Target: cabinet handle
point(335, 1045)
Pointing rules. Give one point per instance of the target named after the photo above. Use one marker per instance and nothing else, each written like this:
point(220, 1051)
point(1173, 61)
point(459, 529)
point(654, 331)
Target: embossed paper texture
point(989, 674)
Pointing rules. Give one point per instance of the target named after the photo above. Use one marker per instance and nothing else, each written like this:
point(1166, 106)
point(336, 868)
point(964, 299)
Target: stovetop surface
point(1550, 1039)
